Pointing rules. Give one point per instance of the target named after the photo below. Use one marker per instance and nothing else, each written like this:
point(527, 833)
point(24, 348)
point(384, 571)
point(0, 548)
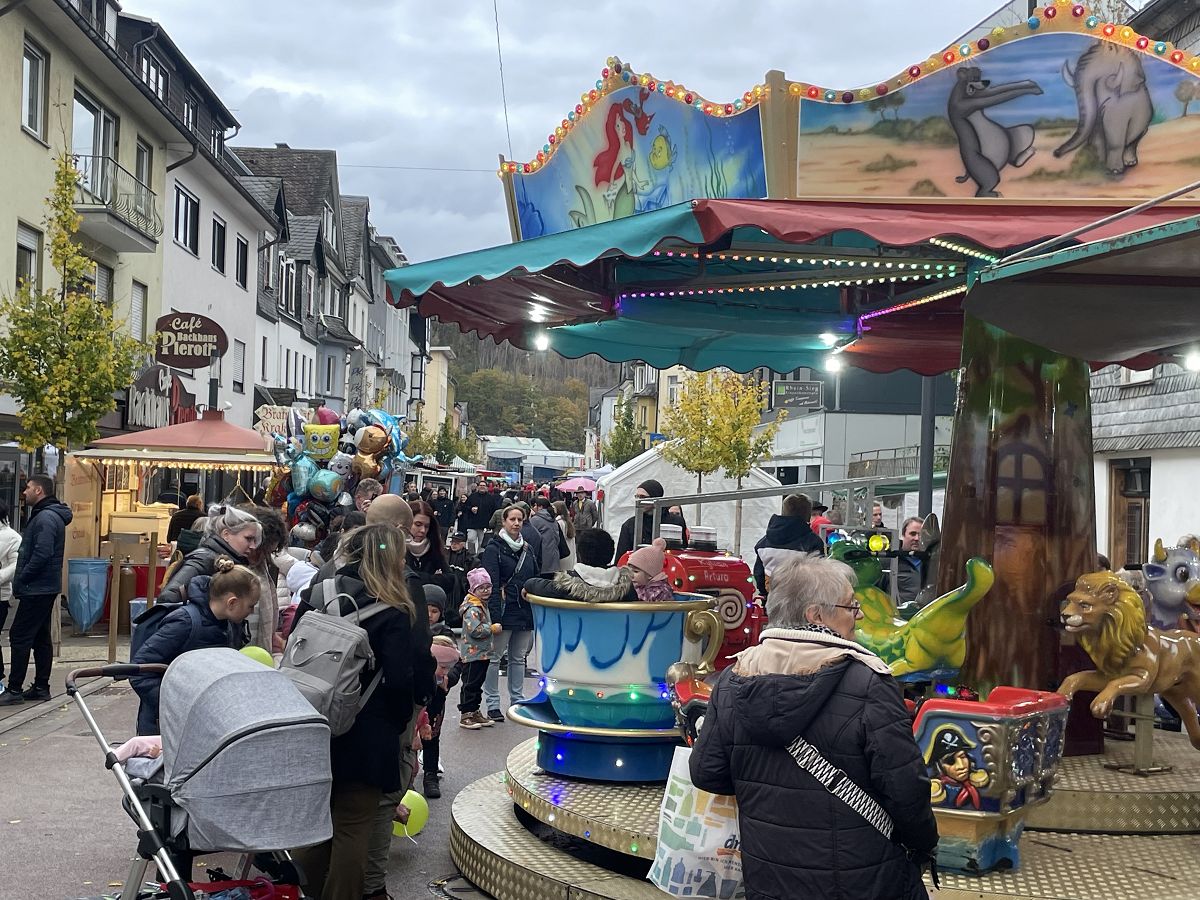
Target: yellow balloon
point(418, 815)
point(878, 543)
point(258, 654)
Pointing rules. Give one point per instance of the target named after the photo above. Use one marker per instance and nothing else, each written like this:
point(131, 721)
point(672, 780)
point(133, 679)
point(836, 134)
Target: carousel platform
point(528, 835)
point(1090, 798)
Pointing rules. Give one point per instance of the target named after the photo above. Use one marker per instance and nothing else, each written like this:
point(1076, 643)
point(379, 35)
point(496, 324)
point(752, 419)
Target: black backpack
point(148, 623)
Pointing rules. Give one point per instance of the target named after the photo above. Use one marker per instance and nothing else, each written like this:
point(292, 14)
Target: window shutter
point(104, 285)
point(28, 238)
point(239, 362)
point(137, 311)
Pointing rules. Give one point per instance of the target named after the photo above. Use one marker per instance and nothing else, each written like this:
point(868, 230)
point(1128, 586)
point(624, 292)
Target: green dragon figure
point(933, 642)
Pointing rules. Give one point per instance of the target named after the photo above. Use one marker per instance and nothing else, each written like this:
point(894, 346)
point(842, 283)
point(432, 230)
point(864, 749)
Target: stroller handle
point(118, 670)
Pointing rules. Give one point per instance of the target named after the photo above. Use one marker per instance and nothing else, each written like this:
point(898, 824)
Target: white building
point(401, 350)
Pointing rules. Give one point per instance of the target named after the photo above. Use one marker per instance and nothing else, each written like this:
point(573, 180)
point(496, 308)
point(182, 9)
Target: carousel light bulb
point(827, 338)
point(541, 342)
point(1191, 361)
point(834, 364)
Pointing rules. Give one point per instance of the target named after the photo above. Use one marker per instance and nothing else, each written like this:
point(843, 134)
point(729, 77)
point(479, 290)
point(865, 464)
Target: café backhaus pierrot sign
point(188, 341)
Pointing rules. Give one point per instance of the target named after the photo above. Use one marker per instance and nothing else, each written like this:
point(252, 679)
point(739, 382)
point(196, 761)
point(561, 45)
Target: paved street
point(63, 833)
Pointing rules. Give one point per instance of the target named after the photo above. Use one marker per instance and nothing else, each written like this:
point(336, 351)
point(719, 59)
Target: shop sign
point(158, 398)
point(272, 419)
point(188, 340)
point(796, 394)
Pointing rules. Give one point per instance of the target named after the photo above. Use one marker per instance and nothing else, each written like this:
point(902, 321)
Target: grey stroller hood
point(244, 754)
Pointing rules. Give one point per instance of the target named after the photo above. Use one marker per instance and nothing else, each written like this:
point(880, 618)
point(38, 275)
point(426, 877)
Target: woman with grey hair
point(804, 711)
point(228, 531)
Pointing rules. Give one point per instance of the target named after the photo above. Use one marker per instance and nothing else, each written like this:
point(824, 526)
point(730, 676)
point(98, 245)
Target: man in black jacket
point(476, 514)
point(36, 583)
point(808, 679)
point(789, 531)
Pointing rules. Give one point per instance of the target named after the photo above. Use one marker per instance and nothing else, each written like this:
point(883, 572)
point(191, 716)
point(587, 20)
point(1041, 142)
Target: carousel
point(973, 230)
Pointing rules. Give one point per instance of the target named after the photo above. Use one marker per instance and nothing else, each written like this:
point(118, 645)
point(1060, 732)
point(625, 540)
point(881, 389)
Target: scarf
point(418, 548)
point(967, 792)
point(821, 629)
point(516, 546)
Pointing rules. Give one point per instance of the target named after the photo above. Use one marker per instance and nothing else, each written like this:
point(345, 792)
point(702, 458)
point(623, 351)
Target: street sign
point(797, 394)
point(272, 419)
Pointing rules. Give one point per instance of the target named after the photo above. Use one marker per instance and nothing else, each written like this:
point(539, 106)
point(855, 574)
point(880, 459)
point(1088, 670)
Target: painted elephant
point(1115, 108)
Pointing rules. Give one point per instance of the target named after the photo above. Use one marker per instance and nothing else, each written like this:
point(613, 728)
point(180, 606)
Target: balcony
point(115, 208)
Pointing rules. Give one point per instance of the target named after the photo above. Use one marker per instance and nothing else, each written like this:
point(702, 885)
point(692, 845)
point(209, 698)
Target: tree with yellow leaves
point(691, 427)
point(63, 356)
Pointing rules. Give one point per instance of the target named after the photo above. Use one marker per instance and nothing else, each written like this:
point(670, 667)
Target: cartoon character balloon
point(372, 441)
point(340, 463)
point(288, 453)
point(326, 416)
point(325, 485)
point(321, 441)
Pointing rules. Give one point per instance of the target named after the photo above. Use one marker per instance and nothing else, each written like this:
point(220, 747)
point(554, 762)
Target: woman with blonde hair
point(366, 759)
point(228, 531)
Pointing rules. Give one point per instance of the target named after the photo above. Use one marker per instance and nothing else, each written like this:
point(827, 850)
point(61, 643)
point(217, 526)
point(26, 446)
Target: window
point(189, 111)
point(241, 261)
point(239, 367)
point(154, 73)
point(287, 285)
point(264, 360)
point(29, 255)
point(218, 244)
point(266, 264)
point(94, 143)
point(327, 302)
point(33, 90)
point(137, 311)
point(309, 287)
point(1136, 376)
point(329, 375)
point(287, 368)
point(329, 226)
point(143, 163)
point(104, 284)
point(672, 390)
point(217, 141)
point(187, 220)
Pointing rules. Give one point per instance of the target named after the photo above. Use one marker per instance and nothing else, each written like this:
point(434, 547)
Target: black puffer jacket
point(201, 561)
point(784, 533)
point(798, 840)
point(509, 569)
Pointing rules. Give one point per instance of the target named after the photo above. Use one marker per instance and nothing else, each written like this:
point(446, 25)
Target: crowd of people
point(449, 583)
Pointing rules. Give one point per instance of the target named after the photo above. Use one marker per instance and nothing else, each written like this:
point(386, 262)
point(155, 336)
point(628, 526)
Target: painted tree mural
point(1020, 493)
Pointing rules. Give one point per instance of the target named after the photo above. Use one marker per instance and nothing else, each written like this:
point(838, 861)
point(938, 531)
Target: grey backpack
point(327, 654)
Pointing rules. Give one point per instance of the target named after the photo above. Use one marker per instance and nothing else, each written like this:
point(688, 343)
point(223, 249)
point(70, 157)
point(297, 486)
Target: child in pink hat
point(645, 564)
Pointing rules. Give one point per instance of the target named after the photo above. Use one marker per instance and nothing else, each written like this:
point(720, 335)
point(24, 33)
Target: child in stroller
point(244, 768)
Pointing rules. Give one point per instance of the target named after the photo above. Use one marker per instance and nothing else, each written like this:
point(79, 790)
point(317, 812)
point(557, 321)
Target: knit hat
point(477, 578)
point(649, 559)
point(435, 595)
point(652, 488)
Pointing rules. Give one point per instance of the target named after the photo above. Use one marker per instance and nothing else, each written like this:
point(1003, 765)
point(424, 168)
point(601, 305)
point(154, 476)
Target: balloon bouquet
point(321, 462)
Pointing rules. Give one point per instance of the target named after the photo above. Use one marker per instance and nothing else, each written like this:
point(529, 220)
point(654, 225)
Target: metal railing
point(103, 182)
point(895, 462)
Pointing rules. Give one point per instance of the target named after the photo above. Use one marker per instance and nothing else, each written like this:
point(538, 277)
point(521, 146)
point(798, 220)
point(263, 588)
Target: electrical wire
point(503, 91)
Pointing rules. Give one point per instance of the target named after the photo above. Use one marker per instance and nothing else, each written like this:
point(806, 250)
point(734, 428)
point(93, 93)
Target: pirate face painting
point(955, 782)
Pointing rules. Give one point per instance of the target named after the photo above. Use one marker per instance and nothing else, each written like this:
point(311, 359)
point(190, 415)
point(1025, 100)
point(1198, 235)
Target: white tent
point(618, 487)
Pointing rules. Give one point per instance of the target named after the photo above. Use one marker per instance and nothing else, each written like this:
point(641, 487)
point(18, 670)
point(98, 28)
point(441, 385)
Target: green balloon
point(418, 815)
point(258, 654)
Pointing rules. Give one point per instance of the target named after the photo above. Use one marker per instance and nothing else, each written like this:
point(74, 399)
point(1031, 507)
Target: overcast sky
point(417, 84)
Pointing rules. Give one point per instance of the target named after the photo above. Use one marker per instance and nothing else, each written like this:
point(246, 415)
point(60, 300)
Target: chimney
point(279, 145)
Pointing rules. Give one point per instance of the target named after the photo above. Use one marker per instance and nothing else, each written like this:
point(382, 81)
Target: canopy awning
point(178, 459)
point(747, 283)
point(1121, 296)
point(209, 432)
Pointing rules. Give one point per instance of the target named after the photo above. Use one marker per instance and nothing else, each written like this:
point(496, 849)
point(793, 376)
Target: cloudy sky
point(403, 90)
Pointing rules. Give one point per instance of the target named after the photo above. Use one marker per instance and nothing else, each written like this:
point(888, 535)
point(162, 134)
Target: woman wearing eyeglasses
point(804, 712)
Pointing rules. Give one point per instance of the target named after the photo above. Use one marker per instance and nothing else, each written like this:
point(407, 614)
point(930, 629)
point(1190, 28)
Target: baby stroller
point(244, 769)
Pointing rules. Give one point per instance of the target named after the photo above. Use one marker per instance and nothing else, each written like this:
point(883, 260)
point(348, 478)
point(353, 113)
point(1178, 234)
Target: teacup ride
point(604, 712)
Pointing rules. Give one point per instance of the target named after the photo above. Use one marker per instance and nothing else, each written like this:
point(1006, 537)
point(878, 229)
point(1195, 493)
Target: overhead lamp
point(827, 338)
point(1191, 361)
point(541, 342)
point(834, 364)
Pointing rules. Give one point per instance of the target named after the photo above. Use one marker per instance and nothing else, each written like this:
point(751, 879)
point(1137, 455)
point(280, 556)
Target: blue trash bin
point(87, 586)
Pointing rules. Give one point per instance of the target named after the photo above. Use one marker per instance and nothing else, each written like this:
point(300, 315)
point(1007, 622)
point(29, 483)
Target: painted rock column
point(1019, 493)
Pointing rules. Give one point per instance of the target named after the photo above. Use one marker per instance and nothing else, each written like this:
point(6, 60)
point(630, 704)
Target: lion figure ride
point(1130, 657)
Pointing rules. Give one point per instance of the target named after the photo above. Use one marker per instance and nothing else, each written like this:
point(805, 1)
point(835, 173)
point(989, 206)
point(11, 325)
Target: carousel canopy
point(748, 283)
point(1125, 295)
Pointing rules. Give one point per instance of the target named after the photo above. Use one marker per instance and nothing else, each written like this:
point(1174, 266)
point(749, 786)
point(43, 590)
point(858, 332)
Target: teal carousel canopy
point(749, 283)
